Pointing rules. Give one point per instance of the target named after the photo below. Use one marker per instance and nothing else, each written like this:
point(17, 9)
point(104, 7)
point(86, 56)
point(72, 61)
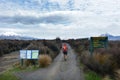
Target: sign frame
point(29, 54)
point(98, 42)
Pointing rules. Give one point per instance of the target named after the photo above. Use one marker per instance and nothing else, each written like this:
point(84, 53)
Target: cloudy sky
point(60, 18)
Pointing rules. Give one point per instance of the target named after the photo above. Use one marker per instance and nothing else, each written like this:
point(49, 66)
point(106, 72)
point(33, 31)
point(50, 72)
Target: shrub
point(52, 46)
point(7, 46)
point(44, 60)
point(17, 64)
point(29, 62)
point(99, 63)
point(115, 56)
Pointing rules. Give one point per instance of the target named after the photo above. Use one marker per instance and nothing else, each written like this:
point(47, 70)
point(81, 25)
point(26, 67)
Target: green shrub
point(52, 46)
point(7, 46)
point(92, 76)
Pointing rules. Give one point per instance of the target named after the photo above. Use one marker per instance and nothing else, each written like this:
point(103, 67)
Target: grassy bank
point(10, 73)
point(8, 76)
point(89, 75)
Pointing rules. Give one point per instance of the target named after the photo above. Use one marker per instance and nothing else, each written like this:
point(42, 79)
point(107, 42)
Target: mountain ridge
point(16, 37)
point(111, 37)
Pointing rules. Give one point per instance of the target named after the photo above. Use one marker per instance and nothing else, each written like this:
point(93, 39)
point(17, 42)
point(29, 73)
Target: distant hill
point(111, 37)
point(17, 37)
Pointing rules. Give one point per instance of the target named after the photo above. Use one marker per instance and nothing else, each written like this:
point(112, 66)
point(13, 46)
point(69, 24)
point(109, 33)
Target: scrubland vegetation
point(7, 46)
point(104, 62)
point(45, 47)
point(48, 50)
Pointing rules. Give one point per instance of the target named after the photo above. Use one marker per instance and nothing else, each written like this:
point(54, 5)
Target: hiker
point(65, 50)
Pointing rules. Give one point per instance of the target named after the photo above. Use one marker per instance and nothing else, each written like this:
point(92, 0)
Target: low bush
point(7, 46)
point(44, 60)
point(29, 62)
point(99, 63)
point(45, 47)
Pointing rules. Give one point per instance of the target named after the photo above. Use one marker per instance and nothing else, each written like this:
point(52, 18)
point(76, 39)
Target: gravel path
point(58, 70)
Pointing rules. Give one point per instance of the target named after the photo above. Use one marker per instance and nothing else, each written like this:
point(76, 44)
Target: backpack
point(64, 48)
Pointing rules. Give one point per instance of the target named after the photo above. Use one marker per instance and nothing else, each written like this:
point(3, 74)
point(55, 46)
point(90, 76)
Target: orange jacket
point(65, 48)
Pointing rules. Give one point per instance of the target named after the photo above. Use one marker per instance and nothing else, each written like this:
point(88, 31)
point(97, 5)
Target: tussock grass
point(107, 77)
point(117, 74)
point(44, 60)
point(99, 63)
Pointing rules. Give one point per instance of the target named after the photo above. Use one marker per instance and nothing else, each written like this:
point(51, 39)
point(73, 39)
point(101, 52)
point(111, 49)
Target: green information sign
point(98, 42)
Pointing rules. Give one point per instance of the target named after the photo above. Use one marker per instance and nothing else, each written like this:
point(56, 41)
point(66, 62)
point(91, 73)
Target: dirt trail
point(58, 70)
point(7, 60)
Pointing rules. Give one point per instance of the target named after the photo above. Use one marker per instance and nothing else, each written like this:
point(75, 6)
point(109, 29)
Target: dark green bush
point(7, 46)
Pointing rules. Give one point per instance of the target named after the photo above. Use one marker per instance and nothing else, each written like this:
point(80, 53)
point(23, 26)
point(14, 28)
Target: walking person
point(65, 50)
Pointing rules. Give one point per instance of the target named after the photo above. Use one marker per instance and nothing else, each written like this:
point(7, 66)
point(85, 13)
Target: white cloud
point(88, 17)
point(61, 2)
point(10, 34)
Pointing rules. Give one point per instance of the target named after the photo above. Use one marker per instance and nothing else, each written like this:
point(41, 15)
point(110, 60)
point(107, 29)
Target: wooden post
point(21, 61)
point(91, 47)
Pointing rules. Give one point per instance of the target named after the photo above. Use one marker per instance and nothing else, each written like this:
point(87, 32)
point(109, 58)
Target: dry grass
point(44, 60)
point(107, 77)
point(29, 62)
point(102, 59)
point(118, 74)
point(99, 63)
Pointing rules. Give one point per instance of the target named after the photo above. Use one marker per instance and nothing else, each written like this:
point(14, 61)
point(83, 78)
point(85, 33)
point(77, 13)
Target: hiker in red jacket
point(65, 50)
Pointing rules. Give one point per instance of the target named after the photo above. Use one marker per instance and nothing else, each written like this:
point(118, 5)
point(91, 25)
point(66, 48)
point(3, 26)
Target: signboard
point(23, 54)
point(29, 54)
point(98, 42)
point(35, 54)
